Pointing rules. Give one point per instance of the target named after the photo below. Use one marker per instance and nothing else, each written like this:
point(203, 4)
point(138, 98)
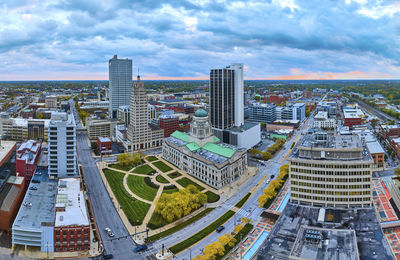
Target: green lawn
point(185, 182)
point(242, 201)
point(151, 158)
point(144, 169)
point(202, 233)
point(179, 226)
point(174, 175)
point(212, 197)
point(162, 166)
point(161, 179)
point(138, 186)
point(120, 167)
point(171, 190)
point(135, 210)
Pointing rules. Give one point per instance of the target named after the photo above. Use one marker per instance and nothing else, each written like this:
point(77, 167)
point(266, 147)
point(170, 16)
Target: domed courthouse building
point(202, 155)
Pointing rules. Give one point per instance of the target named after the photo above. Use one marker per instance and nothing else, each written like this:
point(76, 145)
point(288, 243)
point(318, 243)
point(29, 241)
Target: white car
point(109, 232)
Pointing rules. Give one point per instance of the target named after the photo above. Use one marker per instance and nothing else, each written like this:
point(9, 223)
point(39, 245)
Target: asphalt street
point(104, 211)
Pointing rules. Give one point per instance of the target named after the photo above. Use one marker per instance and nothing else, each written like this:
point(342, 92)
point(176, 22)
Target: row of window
point(349, 199)
point(332, 166)
point(342, 173)
point(330, 186)
point(330, 192)
point(334, 180)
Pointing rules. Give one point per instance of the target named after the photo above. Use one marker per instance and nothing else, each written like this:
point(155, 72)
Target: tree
point(237, 228)
point(308, 112)
point(125, 159)
point(397, 172)
point(254, 152)
point(213, 249)
point(227, 239)
point(266, 156)
point(181, 203)
point(262, 125)
point(39, 116)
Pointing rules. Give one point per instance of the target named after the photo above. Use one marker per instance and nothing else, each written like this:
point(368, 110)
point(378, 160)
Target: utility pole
point(190, 252)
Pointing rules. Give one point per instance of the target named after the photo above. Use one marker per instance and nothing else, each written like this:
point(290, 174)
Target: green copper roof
point(218, 149)
point(192, 146)
point(216, 139)
point(201, 113)
point(181, 136)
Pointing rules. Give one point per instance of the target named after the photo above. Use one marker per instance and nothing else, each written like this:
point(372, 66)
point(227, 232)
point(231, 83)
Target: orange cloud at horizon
point(297, 74)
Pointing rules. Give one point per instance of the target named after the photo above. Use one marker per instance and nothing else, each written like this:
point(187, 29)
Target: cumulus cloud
point(311, 38)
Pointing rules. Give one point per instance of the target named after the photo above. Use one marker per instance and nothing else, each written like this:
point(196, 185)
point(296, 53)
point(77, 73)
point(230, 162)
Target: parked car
point(33, 188)
point(219, 229)
point(140, 248)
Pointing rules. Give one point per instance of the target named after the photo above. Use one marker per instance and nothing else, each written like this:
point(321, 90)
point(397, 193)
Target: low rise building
point(169, 123)
point(321, 120)
point(352, 117)
point(100, 127)
point(200, 154)
point(34, 224)
point(71, 227)
point(26, 159)
point(21, 129)
point(389, 131)
point(104, 144)
point(265, 113)
point(51, 101)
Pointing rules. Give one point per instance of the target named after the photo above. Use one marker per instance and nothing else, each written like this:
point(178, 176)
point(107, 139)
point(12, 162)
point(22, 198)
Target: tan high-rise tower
point(141, 135)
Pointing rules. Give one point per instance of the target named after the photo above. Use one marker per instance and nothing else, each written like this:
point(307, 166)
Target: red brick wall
point(71, 238)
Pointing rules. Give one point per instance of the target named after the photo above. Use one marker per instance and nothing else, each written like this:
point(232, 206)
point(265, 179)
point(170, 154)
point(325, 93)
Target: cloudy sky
point(275, 39)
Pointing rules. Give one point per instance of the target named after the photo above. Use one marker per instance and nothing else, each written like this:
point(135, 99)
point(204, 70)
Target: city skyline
point(276, 40)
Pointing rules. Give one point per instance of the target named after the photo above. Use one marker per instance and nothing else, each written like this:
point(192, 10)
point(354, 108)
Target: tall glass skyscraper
point(226, 96)
point(120, 83)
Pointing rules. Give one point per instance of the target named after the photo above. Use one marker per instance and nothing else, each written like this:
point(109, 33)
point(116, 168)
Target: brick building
point(26, 159)
point(390, 131)
point(71, 229)
point(12, 188)
point(169, 123)
point(104, 144)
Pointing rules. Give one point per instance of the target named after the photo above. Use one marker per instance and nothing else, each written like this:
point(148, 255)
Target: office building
point(100, 127)
point(26, 158)
point(21, 129)
point(141, 134)
point(123, 114)
point(36, 130)
point(331, 170)
point(201, 154)
point(352, 117)
point(62, 145)
point(51, 101)
point(226, 96)
point(265, 113)
point(120, 83)
point(321, 120)
point(169, 123)
point(227, 108)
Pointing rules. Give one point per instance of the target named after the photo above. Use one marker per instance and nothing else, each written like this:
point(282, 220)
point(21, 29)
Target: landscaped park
point(143, 188)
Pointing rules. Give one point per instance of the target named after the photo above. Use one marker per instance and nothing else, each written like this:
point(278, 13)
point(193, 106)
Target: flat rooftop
point(5, 148)
point(38, 206)
point(319, 243)
point(370, 240)
point(329, 140)
point(70, 197)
